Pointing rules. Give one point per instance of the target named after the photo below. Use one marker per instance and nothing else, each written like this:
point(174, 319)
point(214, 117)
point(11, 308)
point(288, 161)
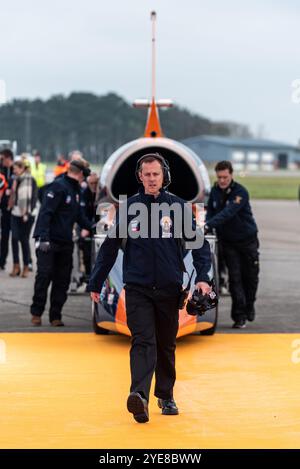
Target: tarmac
point(67, 387)
point(278, 303)
point(70, 391)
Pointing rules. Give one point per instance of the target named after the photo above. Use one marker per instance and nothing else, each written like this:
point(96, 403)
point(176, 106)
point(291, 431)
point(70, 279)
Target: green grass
point(271, 187)
point(277, 187)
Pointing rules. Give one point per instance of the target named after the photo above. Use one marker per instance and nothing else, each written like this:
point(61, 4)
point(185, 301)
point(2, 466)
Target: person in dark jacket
point(229, 212)
point(88, 203)
point(153, 276)
point(53, 233)
point(7, 160)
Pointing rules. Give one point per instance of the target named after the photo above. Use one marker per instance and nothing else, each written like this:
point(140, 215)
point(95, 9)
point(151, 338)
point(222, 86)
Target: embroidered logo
point(166, 224)
point(237, 199)
point(135, 226)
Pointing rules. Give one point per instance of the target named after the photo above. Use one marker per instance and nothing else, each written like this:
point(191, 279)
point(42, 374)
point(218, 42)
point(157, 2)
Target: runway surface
point(70, 391)
point(278, 303)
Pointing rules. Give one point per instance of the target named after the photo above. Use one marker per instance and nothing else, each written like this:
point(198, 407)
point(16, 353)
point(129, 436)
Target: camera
point(199, 303)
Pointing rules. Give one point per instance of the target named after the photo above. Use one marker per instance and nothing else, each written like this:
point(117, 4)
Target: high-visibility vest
point(60, 169)
point(38, 172)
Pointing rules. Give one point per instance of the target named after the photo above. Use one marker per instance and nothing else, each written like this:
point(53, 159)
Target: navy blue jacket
point(60, 210)
point(149, 261)
point(229, 211)
point(87, 202)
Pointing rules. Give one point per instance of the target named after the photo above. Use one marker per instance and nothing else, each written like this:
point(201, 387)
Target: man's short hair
point(223, 165)
point(75, 155)
point(150, 159)
point(78, 165)
point(7, 153)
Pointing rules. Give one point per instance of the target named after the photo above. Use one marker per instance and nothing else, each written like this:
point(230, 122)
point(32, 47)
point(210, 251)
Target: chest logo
point(166, 224)
point(135, 226)
point(237, 199)
point(68, 199)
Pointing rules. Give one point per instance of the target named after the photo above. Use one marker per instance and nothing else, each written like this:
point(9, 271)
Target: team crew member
point(53, 233)
point(229, 211)
point(152, 273)
point(88, 202)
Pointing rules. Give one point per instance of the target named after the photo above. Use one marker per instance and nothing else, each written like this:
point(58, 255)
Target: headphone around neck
point(165, 168)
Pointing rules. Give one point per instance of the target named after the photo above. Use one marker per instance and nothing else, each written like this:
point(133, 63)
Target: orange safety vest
point(3, 185)
point(60, 169)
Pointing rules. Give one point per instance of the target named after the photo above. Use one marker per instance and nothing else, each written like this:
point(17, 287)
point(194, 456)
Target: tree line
point(96, 125)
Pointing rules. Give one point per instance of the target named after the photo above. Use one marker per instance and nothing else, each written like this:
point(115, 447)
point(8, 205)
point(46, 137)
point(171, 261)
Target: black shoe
point(168, 406)
point(138, 406)
point(251, 313)
point(239, 324)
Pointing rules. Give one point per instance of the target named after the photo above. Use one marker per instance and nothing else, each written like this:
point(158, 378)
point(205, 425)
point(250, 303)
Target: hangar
point(245, 153)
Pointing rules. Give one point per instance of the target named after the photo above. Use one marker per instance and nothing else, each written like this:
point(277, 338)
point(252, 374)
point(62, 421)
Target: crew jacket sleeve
point(83, 221)
point(209, 209)
point(201, 255)
point(51, 202)
point(238, 200)
point(106, 258)
point(202, 263)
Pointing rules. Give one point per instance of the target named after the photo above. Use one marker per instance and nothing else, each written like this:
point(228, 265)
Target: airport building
point(245, 153)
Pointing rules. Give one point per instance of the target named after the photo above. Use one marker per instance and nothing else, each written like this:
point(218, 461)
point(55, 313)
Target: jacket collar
point(228, 189)
point(150, 198)
point(74, 183)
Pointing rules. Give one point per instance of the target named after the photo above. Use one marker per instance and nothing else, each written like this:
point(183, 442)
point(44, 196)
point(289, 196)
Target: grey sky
point(232, 60)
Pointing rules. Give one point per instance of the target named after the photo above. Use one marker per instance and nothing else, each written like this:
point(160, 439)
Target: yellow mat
point(69, 391)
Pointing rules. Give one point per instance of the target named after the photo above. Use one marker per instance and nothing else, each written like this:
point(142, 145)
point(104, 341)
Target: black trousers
point(86, 247)
point(20, 232)
point(221, 263)
point(54, 266)
point(31, 220)
point(152, 318)
point(5, 231)
point(242, 259)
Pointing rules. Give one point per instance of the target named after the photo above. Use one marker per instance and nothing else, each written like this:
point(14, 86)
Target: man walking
point(53, 233)
point(153, 276)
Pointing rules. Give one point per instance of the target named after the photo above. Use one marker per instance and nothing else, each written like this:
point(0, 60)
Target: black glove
point(43, 246)
point(207, 229)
